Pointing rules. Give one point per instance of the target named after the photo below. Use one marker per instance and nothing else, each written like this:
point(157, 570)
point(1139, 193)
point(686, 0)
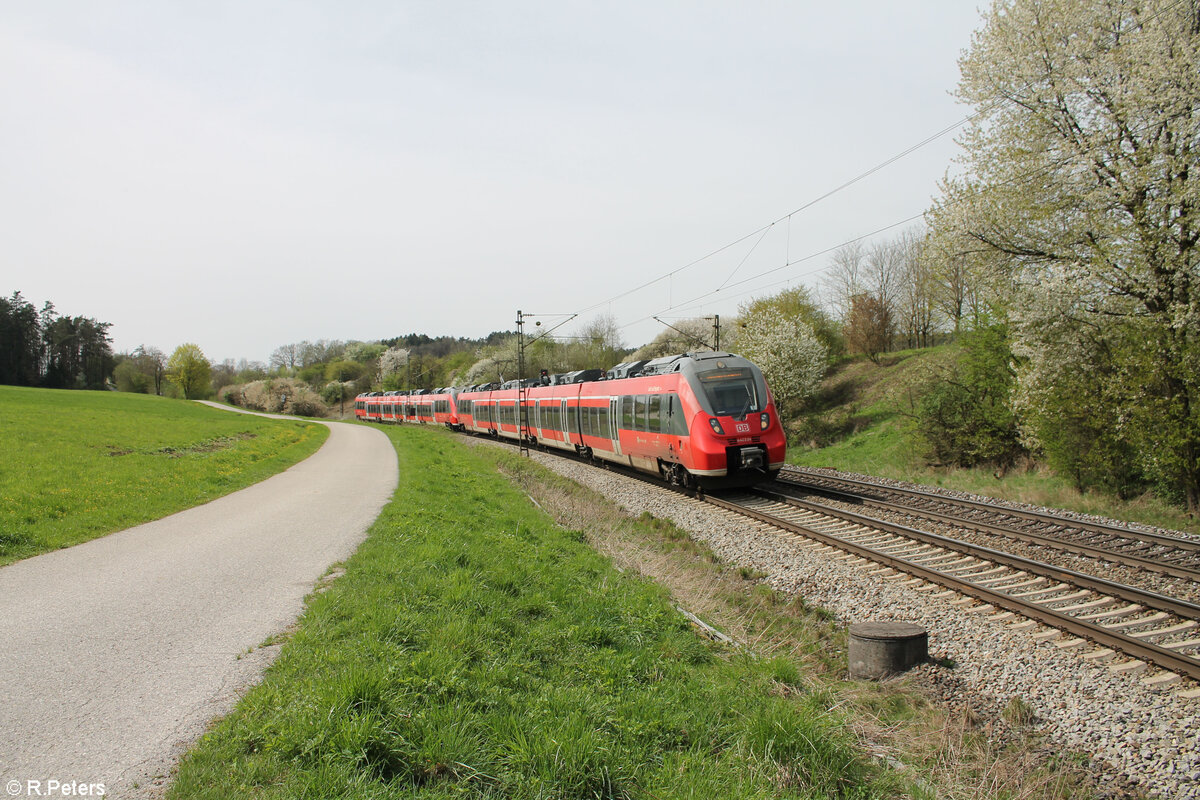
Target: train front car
point(736, 438)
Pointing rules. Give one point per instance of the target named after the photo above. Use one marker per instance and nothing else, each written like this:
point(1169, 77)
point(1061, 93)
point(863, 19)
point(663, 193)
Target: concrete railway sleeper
point(1168, 555)
point(1145, 626)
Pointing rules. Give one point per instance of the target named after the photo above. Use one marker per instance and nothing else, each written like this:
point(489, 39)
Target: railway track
point(1148, 627)
point(1144, 732)
point(1167, 555)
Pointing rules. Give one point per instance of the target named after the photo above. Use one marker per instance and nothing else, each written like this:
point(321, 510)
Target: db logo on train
point(742, 427)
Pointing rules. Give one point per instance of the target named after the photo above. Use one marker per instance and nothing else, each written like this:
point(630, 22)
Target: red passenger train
point(700, 419)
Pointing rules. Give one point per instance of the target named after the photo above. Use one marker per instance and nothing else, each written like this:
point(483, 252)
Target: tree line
point(1062, 255)
point(1077, 203)
point(44, 348)
point(1062, 248)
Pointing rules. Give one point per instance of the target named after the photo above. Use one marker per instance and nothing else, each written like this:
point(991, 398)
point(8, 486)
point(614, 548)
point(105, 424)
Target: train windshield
point(731, 392)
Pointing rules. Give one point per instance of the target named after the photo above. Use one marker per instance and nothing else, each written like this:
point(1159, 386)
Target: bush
point(966, 416)
point(234, 395)
point(130, 379)
point(277, 396)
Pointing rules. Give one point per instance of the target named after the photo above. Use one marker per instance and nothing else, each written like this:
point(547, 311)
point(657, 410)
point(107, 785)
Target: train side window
point(626, 413)
point(654, 414)
point(639, 413)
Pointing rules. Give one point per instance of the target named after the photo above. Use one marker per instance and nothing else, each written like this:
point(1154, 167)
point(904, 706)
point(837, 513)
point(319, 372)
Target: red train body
point(700, 419)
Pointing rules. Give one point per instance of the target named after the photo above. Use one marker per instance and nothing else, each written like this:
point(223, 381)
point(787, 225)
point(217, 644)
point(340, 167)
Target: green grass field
point(77, 465)
point(475, 648)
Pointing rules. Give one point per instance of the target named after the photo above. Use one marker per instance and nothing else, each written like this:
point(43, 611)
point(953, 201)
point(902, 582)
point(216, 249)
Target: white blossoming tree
point(791, 357)
point(391, 364)
point(1080, 172)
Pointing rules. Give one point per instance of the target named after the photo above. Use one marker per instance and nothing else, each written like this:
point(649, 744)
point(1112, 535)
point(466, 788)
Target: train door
point(613, 420)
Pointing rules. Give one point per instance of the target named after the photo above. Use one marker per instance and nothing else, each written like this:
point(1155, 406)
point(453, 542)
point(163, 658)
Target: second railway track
point(986, 661)
point(1148, 627)
point(1176, 556)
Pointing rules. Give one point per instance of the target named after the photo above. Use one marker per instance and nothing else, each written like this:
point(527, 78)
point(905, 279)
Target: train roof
point(679, 362)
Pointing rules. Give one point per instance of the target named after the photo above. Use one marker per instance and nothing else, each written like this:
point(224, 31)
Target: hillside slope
point(861, 421)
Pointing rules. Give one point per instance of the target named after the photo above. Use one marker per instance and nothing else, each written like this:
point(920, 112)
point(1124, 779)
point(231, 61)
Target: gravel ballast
point(1150, 738)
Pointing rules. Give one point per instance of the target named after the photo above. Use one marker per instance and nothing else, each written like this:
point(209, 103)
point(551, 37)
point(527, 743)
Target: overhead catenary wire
point(1021, 178)
point(762, 231)
point(808, 257)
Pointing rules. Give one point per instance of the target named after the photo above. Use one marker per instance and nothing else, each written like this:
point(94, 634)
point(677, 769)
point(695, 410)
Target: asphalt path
point(117, 653)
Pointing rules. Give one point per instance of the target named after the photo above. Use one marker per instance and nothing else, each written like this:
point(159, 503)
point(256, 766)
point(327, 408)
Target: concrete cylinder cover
point(880, 649)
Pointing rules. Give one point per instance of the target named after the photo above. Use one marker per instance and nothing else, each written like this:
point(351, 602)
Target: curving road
point(115, 654)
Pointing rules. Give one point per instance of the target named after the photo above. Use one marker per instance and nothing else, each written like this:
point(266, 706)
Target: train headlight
point(765, 419)
point(716, 426)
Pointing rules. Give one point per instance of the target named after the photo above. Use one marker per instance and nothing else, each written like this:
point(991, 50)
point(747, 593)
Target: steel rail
point(1077, 548)
point(1145, 651)
point(1042, 517)
point(1032, 516)
point(1132, 594)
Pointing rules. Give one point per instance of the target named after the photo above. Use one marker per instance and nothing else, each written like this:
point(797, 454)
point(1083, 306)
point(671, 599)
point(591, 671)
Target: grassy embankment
point(861, 421)
point(78, 465)
point(476, 648)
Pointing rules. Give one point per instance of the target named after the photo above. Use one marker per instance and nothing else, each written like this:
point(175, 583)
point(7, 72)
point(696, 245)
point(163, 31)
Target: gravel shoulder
point(118, 652)
point(1132, 735)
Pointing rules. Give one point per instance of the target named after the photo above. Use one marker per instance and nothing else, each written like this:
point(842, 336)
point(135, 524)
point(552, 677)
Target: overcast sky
point(247, 174)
